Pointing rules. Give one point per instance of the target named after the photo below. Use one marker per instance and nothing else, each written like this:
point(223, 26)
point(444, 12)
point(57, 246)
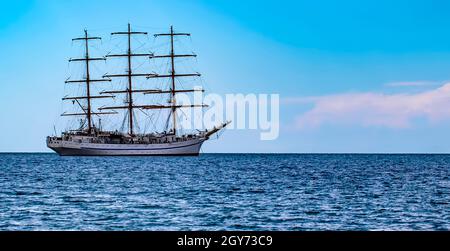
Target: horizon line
point(362, 153)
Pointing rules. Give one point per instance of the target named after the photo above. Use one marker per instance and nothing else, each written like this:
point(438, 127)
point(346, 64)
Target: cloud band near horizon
point(375, 109)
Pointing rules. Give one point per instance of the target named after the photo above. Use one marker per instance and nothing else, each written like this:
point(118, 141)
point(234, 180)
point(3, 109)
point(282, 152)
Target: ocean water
point(225, 192)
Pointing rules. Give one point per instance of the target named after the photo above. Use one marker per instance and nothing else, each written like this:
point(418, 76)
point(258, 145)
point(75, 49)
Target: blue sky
point(392, 58)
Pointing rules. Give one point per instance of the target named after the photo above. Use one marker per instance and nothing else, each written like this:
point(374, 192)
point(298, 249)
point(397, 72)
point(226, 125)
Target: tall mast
point(130, 86)
point(87, 111)
point(173, 75)
point(129, 74)
point(129, 91)
point(88, 88)
point(173, 99)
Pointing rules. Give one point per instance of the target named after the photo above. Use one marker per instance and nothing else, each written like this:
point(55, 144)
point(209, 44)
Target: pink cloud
point(376, 109)
point(413, 84)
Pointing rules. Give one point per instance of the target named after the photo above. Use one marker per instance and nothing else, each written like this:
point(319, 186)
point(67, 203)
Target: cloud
point(413, 84)
point(375, 109)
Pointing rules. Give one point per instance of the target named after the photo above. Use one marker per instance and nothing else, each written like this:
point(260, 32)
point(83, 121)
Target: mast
point(173, 98)
point(173, 75)
point(88, 110)
point(130, 74)
point(88, 88)
point(130, 86)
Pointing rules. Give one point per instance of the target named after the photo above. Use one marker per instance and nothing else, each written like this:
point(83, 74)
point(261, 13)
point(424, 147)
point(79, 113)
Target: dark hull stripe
point(128, 155)
point(138, 149)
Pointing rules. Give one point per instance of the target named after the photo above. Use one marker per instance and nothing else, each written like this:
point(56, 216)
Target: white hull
point(73, 148)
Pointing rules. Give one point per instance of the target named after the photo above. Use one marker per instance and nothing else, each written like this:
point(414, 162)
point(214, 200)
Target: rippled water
point(225, 192)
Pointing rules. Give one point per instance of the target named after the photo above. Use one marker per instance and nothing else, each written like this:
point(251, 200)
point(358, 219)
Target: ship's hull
point(69, 148)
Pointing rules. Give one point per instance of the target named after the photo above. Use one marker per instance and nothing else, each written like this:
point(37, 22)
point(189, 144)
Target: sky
point(353, 76)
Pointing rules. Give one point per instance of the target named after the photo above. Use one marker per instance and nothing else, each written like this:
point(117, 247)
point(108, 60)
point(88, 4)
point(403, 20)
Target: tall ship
point(90, 139)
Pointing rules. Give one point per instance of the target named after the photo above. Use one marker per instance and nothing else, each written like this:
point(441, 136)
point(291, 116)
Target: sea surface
point(225, 192)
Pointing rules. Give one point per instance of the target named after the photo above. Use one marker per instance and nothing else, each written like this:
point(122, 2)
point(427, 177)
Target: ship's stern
point(54, 143)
